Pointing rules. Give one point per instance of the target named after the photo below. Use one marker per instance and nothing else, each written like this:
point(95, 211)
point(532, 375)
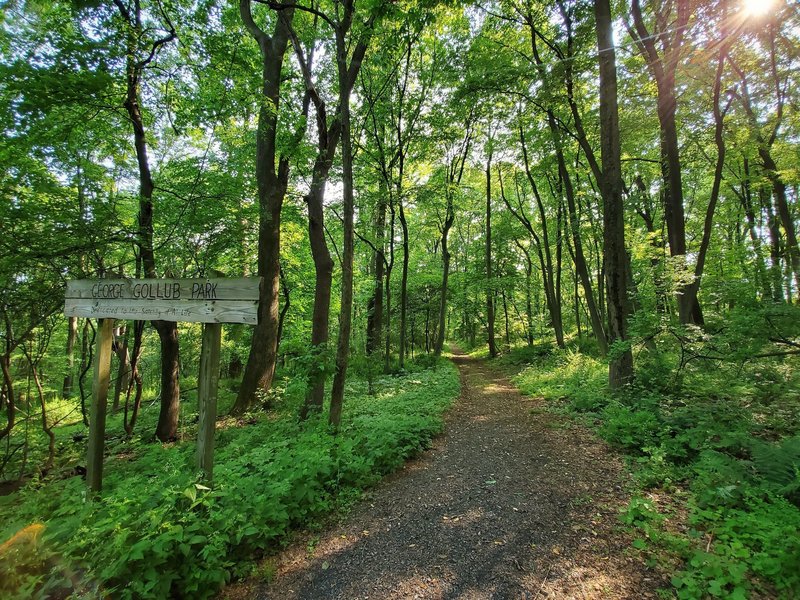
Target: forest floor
point(510, 502)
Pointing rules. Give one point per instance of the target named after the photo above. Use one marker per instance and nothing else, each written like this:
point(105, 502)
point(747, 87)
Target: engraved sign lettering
point(194, 300)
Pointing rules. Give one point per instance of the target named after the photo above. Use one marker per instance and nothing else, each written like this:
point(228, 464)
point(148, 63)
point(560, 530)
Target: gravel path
point(511, 502)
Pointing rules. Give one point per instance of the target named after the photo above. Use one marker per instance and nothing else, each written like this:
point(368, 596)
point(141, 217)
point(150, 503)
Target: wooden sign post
point(207, 384)
point(97, 422)
point(207, 301)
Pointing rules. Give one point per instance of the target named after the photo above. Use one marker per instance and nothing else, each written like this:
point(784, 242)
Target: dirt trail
point(510, 502)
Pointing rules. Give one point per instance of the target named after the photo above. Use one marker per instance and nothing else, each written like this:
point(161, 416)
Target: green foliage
point(570, 376)
point(779, 465)
point(156, 531)
point(723, 438)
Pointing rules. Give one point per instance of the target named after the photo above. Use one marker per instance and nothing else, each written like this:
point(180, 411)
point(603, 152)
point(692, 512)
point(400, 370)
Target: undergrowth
point(715, 447)
point(157, 532)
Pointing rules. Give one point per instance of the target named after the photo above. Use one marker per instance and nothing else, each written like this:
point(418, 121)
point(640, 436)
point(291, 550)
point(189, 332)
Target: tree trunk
point(72, 335)
point(272, 183)
point(167, 427)
point(505, 314)
point(746, 198)
point(528, 299)
point(323, 270)
point(129, 423)
point(620, 369)
point(375, 309)
point(448, 223)
point(123, 372)
point(346, 75)
point(550, 272)
point(389, 268)
point(775, 248)
point(11, 402)
point(46, 428)
point(574, 227)
point(287, 302)
point(784, 213)
point(489, 285)
point(662, 68)
point(403, 282)
point(693, 288)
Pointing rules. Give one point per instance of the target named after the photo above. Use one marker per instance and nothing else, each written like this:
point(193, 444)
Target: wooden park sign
point(195, 300)
point(208, 301)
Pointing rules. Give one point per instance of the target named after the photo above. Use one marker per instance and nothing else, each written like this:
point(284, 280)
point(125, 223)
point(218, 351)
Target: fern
point(779, 466)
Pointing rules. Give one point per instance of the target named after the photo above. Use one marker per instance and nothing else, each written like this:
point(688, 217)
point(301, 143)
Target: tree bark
point(11, 402)
point(347, 74)
point(123, 371)
point(403, 283)
point(72, 335)
point(272, 181)
point(620, 370)
point(489, 285)
point(167, 427)
point(662, 67)
point(375, 309)
point(448, 223)
point(323, 272)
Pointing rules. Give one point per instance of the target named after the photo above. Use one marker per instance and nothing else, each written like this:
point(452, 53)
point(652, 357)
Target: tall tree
point(272, 177)
point(328, 137)
point(620, 369)
point(670, 22)
point(765, 133)
point(457, 156)
point(347, 68)
point(488, 252)
point(137, 34)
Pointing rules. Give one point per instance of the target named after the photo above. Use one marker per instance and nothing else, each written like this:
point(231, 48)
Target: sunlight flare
point(757, 8)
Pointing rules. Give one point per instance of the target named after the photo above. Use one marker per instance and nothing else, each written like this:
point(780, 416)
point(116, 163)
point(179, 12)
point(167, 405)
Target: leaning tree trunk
point(693, 288)
point(579, 259)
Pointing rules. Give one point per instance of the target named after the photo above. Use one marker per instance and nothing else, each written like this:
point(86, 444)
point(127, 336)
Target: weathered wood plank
point(97, 422)
point(243, 288)
point(217, 311)
point(207, 384)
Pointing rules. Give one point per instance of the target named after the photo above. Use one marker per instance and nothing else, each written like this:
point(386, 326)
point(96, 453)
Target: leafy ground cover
point(715, 446)
point(157, 532)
